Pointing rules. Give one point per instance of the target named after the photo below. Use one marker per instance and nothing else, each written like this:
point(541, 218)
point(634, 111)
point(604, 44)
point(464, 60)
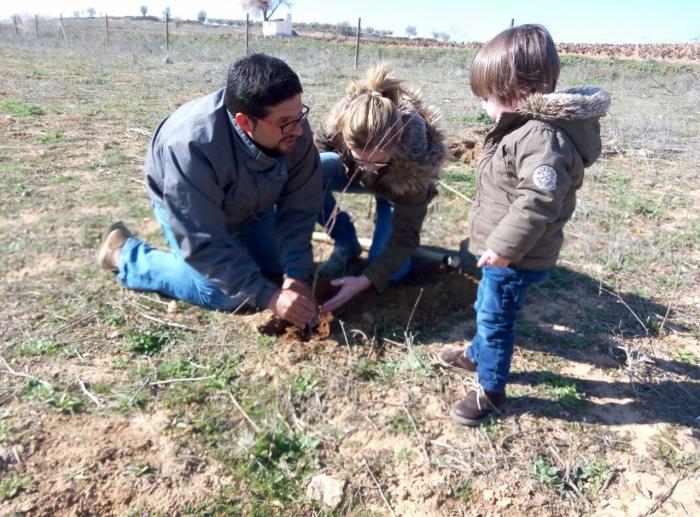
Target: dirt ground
point(603, 401)
point(409, 305)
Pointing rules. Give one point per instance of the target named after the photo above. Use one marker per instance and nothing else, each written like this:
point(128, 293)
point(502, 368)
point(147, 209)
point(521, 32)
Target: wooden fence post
point(512, 22)
point(36, 25)
point(247, 29)
point(167, 32)
point(106, 28)
point(357, 42)
point(61, 28)
point(16, 27)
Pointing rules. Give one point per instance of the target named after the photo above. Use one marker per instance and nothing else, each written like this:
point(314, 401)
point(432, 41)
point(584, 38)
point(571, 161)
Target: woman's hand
point(492, 259)
point(349, 287)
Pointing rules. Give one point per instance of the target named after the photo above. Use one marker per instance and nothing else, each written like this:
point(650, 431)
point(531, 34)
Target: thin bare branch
point(421, 442)
point(662, 498)
point(454, 191)
point(186, 379)
point(89, 395)
point(245, 415)
point(381, 492)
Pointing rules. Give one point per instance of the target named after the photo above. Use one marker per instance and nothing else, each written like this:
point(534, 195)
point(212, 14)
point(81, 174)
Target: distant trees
point(144, 10)
point(91, 12)
point(411, 31)
point(442, 36)
point(266, 8)
point(202, 16)
point(76, 14)
point(344, 29)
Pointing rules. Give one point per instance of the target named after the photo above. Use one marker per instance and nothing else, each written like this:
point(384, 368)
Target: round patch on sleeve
point(545, 177)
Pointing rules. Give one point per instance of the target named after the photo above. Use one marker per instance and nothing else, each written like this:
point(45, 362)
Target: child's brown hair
point(517, 62)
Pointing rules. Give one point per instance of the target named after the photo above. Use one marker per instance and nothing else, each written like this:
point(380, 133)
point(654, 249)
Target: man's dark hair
point(257, 82)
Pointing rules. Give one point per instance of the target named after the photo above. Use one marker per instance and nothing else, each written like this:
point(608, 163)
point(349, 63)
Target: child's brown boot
point(456, 359)
point(477, 406)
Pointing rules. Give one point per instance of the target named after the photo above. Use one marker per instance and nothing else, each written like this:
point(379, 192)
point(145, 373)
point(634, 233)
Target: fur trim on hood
point(570, 104)
point(418, 158)
point(577, 111)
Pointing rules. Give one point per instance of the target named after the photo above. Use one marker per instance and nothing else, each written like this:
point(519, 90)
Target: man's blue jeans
point(145, 268)
point(501, 295)
point(343, 230)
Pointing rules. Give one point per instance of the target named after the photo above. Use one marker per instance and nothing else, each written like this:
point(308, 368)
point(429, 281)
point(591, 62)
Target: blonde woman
point(379, 139)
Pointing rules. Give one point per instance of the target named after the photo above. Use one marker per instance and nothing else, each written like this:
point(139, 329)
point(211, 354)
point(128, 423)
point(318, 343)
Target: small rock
point(327, 489)
point(504, 503)
point(488, 495)
point(172, 307)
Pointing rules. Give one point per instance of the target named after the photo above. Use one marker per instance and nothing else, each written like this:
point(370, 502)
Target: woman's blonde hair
point(368, 117)
point(516, 63)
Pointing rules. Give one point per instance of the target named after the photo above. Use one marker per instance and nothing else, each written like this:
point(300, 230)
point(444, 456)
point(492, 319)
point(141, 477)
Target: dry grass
point(117, 402)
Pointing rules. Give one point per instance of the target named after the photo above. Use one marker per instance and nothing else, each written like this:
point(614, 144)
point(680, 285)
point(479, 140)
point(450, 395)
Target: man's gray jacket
point(213, 181)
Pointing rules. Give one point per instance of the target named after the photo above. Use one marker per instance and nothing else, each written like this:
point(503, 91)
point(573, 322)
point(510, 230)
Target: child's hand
point(492, 259)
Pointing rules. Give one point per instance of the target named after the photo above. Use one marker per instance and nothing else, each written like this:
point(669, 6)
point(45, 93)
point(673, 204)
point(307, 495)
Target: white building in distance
point(278, 27)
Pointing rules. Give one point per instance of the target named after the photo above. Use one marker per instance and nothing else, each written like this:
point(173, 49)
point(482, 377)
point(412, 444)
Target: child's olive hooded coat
point(530, 169)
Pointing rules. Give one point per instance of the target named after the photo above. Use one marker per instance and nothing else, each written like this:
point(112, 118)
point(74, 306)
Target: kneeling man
point(235, 183)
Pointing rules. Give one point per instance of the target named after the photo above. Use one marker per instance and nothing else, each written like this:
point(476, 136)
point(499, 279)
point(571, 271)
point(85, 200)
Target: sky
point(592, 21)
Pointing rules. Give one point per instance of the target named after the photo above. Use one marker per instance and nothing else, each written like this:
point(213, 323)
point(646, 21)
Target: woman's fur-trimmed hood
point(418, 157)
point(576, 110)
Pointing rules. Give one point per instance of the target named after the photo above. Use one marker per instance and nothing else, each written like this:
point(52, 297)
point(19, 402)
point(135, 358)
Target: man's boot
point(477, 406)
point(337, 264)
point(112, 241)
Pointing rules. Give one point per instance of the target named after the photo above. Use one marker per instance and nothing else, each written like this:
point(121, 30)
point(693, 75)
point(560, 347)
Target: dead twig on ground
point(347, 343)
point(89, 395)
point(24, 375)
point(676, 283)
point(456, 192)
point(413, 311)
point(245, 415)
point(490, 444)
point(662, 498)
point(73, 323)
point(381, 492)
point(617, 295)
point(141, 312)
point(138, 391)
point(139, 131)
point(185, 379)
point(421, 442)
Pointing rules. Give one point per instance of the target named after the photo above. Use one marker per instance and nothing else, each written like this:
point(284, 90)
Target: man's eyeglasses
point(288, 127)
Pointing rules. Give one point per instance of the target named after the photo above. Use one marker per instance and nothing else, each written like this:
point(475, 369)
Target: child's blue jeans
point(343, 231)
point(145, 268)
point(500, 296)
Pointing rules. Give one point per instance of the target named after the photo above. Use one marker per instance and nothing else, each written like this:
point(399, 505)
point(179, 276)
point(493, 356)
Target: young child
point(529, 171)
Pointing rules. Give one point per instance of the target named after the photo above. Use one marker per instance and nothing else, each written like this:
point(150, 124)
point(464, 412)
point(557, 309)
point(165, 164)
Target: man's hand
point(349, 287)
point(298, 286)
point(492, 259)
point(292, 306)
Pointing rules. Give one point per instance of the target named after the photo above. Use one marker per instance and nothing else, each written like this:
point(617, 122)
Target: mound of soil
point(426, 299)
point(466, 146)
